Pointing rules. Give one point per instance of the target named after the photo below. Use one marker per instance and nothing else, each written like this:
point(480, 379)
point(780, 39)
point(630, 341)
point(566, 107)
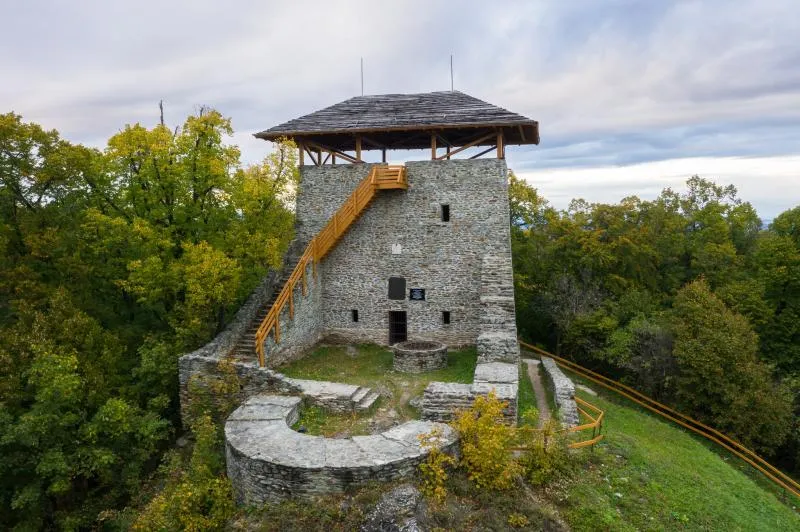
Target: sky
point(631, 96)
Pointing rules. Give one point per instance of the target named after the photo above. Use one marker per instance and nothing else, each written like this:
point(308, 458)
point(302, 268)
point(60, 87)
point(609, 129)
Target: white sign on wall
point(397, 249)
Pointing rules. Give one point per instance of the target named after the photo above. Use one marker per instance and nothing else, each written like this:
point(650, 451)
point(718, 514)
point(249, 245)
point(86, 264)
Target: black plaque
point(416, 294)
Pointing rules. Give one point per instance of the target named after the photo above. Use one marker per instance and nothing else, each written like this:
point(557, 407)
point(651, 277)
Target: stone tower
point(429, 259)
point(386, 253)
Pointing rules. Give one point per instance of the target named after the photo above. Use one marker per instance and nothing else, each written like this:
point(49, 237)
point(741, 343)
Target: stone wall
point(268, 461)
point(305, 330)
point(498, 349)
point(564, 390)
point(444, 258)
point(205, 360)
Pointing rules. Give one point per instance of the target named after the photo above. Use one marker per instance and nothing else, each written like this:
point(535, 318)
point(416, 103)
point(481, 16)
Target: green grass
point(527, 397)
point(650, 475)
point(371, 365)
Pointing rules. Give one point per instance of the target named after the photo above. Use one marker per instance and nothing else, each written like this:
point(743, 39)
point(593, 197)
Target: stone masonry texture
point(564, 391)
point(444, 258)
point(268, 461)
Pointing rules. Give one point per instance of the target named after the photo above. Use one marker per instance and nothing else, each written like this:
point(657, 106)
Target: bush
point(199, 498)
point(546, 453)
point(434, 468)
point(486, 443)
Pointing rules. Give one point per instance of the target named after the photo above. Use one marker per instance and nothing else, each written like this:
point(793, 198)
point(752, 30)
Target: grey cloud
point(615, 82)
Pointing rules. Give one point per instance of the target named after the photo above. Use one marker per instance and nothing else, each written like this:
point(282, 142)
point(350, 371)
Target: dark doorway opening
point(398, 329)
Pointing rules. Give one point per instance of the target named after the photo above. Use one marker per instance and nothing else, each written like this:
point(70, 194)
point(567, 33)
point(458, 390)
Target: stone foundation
point(419, 357)
point(268, 461)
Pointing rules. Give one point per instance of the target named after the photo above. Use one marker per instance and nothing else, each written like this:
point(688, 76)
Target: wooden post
point(358, 148)
point(319, 157)
point(500, 148)
point(433, 147)
point(448, 152)
point(384, 155)
point(333, 158)
point(302, 153)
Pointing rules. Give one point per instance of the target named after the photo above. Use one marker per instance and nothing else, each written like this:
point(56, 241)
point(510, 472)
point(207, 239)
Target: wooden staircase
point(381, 177)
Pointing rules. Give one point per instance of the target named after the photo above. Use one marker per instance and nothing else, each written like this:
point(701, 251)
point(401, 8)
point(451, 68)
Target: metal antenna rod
point(362, 76)
point(451, 72)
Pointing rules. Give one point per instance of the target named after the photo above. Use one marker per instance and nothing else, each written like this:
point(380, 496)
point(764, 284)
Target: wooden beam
point(433, 147)
point(327, 157)
point(311, 154)
point(358, 148)
point(321, 147)
point(468, 145)
point(484, 152)
point(333, 158)
point(383, 158)
point(319, 157)
point(302, 157)
point(500, 149)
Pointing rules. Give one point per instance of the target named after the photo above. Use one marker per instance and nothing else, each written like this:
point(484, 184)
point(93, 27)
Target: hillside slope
point(652, 475)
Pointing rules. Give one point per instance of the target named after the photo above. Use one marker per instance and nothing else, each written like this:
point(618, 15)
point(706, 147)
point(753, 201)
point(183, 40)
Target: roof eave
point(274, 135)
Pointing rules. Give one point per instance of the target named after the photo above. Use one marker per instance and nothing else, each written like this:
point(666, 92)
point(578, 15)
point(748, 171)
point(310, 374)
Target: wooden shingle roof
point(392, 120)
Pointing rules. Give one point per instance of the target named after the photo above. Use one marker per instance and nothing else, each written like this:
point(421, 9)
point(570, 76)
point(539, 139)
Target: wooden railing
point(774, 474)
point(381, 177)
point(595, 424)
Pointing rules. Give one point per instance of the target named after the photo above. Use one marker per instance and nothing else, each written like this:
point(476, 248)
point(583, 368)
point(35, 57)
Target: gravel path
point(538, 390)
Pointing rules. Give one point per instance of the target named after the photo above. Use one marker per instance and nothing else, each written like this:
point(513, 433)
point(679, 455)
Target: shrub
point(434, 468)
point(199, 498)
point(486, 443)
point(546, 453)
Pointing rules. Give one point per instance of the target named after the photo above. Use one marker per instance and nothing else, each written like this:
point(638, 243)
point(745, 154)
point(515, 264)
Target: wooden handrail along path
point(381, 177)
point(771, 472)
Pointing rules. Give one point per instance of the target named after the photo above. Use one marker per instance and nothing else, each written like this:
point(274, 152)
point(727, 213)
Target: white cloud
point(771, 184)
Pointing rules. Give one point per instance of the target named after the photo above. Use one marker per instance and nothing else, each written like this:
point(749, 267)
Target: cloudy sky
point(631, 96)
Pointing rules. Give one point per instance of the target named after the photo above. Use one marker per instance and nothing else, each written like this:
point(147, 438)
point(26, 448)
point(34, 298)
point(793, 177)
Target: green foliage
point(196, 498)
point(545, 456)
point(598, 283)
point(113, 264)
point(486, 442)
point(720, 377)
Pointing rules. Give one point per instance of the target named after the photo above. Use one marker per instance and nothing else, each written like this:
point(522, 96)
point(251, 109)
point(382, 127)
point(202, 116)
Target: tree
point(721, 381)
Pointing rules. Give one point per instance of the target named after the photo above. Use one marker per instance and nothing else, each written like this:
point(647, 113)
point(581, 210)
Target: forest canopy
point(113, 264)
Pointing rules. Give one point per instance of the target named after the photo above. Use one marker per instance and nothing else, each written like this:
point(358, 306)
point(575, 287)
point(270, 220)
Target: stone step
point(336, 396)
point(367, 401)
point(360, 394)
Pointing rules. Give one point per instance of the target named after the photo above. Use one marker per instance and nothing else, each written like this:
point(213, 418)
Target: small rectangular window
point(445, 212)
point(355, 315)
point(446, 317)
point(397, 288)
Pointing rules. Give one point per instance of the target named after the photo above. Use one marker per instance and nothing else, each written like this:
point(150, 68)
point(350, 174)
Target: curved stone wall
point(268, 461)
point(419, 357)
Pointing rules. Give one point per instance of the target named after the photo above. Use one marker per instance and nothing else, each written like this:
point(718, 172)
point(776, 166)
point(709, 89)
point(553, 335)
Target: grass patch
point(371, 365)
point(527, 397)
point(650, 475)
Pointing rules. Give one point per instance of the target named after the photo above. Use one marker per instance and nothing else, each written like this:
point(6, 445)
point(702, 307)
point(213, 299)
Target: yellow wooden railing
point(595, 424)
point(381, 177)
point(774, 474)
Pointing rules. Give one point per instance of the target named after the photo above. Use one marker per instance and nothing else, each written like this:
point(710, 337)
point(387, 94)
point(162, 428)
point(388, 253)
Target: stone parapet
point(268, 461)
